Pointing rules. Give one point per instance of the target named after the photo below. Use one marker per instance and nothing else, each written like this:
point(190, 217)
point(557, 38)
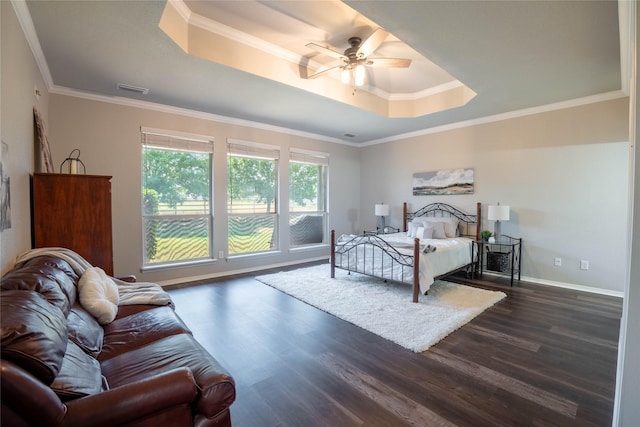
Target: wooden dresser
point(74, 211)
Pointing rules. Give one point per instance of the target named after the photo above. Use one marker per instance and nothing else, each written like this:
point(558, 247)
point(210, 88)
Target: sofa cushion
point(99, 295)
point(44, 277)
point(216, 385)
point(64, 274)
point(33, 333)
point(79, 375)
point(85, 331)
point(139, 329)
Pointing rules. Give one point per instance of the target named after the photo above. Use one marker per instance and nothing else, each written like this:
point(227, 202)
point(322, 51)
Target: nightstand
point(502, 257)
point(386, 230)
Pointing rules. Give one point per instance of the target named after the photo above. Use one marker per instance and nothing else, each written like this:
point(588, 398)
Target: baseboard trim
point(217, 275)
point(533, 280)
point(565, 285)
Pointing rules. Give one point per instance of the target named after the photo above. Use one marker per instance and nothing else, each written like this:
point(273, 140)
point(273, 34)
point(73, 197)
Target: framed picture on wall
point(444, 182)
point(46, 163)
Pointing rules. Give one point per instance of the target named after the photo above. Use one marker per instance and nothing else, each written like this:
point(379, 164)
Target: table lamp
point(381, 210)
point(498, 213)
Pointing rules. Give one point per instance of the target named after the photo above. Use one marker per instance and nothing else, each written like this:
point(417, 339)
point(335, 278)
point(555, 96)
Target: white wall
point(626, 411)
point(564, 173)
point(108, 136)
point(20, 75)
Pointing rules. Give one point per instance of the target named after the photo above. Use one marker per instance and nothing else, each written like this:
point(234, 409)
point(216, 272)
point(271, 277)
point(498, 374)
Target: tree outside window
point(176, 197)
point(307, 199)
point(251, 199)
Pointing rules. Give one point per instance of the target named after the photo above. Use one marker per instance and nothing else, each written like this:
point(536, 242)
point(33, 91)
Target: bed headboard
point(470, 223)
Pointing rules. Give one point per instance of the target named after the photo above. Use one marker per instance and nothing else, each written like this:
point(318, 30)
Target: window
point(252, 203)
point(176, 197)
point(307, 197)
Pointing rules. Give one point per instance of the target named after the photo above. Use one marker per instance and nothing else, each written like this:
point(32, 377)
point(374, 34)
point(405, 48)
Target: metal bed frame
point(469, 226)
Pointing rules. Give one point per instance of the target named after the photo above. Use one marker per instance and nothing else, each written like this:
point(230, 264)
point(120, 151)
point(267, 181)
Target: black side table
point(386, 230)
point(501, 257)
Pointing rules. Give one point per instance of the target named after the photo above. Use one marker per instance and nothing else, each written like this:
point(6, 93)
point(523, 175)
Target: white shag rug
point(384, 308)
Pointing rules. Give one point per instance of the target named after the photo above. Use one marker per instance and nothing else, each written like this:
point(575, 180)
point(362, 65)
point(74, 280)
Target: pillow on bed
point(413, 228)
point(450, 225)
point(424, 233)
point(437, 226)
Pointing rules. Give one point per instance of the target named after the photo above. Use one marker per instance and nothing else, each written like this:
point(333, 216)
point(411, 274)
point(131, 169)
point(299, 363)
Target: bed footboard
point(389, 259)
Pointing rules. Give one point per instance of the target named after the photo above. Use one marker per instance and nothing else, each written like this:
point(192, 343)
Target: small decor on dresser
point(44, 160)
point(5, 189)
point(72, 165)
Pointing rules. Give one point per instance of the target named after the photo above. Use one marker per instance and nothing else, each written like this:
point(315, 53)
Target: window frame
point(297, 155)
point(161, 139)
point(257, 151)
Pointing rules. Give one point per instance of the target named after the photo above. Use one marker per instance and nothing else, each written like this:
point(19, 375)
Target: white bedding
point(450, 254)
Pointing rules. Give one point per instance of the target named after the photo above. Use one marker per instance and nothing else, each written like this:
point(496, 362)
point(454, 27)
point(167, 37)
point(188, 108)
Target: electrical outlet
point(584, 264)
point(221, 254)
point(557, 262)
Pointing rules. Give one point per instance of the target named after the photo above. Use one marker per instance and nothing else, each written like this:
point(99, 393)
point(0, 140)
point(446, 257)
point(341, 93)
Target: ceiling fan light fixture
point(345, 76)
point(359, 75)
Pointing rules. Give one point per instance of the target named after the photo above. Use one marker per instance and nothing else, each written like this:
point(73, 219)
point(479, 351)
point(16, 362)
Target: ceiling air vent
point(135, 89)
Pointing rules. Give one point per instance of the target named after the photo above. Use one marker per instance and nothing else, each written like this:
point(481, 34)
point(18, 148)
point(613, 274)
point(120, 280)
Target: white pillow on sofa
point(99, 295)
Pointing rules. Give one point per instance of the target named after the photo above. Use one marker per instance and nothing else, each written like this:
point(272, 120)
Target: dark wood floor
point(543, 356)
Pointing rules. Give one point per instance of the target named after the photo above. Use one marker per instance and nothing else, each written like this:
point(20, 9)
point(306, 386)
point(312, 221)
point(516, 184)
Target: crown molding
point(26, 23)
point(503, 116)
point(146, 105)
point(231, 33)
point(626, 13)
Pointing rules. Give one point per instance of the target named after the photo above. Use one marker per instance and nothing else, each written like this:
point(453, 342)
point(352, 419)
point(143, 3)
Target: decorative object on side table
point(485, 234)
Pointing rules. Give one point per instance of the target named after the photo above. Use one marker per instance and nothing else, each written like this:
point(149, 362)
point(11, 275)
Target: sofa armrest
point(129, 402)
point(28, 397)
point(130, 278)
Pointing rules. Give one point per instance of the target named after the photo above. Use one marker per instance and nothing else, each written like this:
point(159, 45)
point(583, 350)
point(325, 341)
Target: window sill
point(308, 248)
point(177, 264)
point(252, 255)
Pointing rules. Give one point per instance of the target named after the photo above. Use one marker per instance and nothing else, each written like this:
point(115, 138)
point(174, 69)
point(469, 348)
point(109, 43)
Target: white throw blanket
point(129, 293)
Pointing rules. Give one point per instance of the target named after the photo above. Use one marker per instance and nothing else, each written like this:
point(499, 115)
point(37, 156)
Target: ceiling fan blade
point(323, 72)
point(372, 42)
point(388, 62)
point(326, 51)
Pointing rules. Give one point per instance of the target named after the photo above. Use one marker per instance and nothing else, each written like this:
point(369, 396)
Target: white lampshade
point(498, 213)
point(382, 209)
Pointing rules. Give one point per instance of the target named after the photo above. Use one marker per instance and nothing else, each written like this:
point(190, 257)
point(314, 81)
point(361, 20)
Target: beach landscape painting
point(444, 182)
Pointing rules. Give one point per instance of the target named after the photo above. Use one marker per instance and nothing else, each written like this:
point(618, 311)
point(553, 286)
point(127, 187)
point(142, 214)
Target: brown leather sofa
point(60, 367)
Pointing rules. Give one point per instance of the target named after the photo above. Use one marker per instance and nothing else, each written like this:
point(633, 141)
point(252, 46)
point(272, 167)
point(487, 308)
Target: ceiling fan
point(356, 57)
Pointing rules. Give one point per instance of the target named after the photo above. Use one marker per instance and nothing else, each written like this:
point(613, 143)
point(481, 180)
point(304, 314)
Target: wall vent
point(136, 89)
